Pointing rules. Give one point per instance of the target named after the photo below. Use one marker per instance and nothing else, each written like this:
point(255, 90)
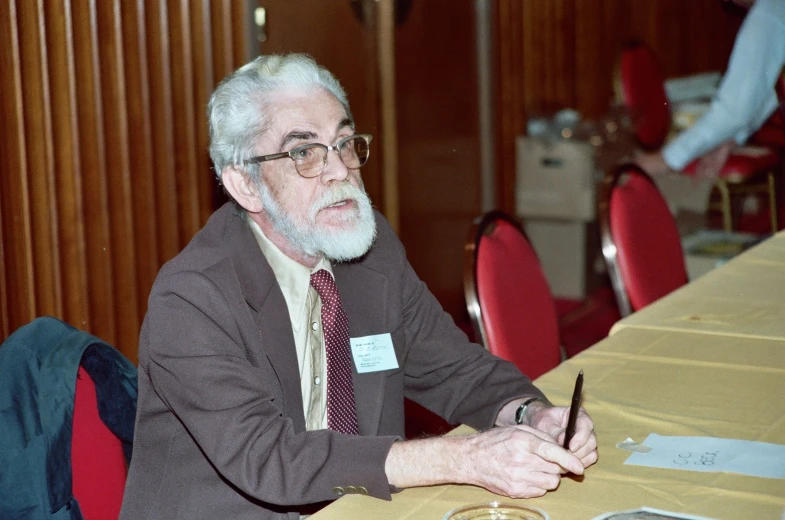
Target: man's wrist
point(522, 408)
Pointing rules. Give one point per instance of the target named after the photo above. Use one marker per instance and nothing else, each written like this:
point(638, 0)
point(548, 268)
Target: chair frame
point(481, 226)
point(609, 249)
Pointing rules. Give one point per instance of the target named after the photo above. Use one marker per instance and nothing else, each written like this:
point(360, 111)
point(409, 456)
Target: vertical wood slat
point(92, 154)
point(140, 144)
point(203, 82)
point(223, 57)
point(19, 298)
point(156, 20)
point(117, 170)
point(38, 138)
point(67, 180)
point(186, 182)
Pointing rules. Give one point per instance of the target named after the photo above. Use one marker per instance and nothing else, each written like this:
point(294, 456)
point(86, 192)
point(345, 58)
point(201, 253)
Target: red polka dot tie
point(341, 413)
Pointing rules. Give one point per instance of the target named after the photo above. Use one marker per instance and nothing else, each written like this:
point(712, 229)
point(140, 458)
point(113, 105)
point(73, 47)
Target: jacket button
point(351, 490)
point(362, 490)
point(338, 490)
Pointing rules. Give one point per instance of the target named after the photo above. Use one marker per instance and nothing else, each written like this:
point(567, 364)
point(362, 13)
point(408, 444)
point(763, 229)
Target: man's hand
point(553, 421)
point(515, 461)
point(711, 164)
point(519, 462)
point(653, 163)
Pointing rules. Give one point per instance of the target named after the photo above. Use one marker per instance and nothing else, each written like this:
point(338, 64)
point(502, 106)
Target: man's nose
point(334, 169)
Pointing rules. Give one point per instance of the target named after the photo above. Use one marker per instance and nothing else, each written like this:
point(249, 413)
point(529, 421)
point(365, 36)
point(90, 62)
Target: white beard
point(337, 245)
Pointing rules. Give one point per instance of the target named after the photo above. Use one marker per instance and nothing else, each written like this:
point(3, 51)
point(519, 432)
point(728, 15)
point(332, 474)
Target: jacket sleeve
point(199, 367)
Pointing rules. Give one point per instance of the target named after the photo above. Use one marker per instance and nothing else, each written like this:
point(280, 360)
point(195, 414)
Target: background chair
point(641, 87)
point(640, 240)
point(508, 297)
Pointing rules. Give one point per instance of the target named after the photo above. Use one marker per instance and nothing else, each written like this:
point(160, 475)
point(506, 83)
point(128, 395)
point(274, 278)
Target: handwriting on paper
point(760, 459)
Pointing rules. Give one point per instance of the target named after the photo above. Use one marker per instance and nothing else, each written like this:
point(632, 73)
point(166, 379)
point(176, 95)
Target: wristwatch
point(520, 414)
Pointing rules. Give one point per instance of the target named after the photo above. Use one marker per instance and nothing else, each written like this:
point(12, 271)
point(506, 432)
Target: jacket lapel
point(367, 315)
point(264, 296)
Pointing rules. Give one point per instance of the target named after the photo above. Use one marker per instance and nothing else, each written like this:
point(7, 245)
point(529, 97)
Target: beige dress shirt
point(305, 313)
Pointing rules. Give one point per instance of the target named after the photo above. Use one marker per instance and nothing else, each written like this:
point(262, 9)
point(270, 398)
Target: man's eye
point(305, 153)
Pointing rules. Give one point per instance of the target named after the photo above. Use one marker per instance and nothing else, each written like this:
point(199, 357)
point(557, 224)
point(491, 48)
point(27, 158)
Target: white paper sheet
point(711, 454)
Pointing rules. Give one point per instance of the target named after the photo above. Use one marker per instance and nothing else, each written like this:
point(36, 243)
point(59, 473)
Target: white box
point(555, 179)
point(569, 254)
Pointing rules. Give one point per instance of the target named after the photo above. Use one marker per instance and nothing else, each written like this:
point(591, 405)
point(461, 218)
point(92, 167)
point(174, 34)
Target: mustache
point(337, 194)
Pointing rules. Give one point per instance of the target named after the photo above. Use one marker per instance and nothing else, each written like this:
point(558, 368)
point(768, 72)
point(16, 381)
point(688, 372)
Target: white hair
point(237, 112)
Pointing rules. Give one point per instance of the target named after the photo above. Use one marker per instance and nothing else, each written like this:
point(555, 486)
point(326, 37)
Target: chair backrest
point(508, 297)
point(642, 89)
point(98, 466)
point(640, 240)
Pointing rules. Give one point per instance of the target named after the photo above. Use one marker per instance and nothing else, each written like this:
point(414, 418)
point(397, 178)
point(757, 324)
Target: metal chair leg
point(773, 203)
point(727, 217)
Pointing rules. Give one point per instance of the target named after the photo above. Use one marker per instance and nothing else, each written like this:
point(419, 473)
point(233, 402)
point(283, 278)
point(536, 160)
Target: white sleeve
point(746, 97)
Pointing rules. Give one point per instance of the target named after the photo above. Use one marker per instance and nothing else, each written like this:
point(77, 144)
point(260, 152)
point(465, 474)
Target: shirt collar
point(293, 277)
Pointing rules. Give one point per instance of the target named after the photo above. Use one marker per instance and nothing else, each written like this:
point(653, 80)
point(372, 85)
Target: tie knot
point(324, 284)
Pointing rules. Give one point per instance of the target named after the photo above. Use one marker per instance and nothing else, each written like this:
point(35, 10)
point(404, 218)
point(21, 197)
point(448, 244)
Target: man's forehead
point(313, 107)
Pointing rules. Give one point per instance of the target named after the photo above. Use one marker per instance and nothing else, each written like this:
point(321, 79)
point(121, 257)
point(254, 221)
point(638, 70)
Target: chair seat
point(770, 135)
point(742, 164)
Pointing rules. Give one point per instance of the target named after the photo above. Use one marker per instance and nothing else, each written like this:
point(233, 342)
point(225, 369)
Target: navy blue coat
point(38, 367)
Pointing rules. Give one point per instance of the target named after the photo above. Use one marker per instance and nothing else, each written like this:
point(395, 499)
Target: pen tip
point(580, 373)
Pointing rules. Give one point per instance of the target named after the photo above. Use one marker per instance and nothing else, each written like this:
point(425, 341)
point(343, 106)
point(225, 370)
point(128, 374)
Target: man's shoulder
point(208, 247)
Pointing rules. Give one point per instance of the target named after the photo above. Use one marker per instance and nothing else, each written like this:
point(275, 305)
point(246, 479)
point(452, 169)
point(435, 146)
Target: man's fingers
point(558, 455)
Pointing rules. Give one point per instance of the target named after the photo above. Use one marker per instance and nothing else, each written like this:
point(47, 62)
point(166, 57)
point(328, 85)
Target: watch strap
point(520, 413)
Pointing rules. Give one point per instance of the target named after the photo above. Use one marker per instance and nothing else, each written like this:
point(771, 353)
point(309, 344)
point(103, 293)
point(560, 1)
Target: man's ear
point(242, 189)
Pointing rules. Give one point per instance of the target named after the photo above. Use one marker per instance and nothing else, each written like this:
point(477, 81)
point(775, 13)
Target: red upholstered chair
point(640, 240)
point(641, 87)
point(98, 465)
point(508, 296)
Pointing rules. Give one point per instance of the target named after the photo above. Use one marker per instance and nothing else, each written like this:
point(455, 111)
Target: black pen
point(574, 408)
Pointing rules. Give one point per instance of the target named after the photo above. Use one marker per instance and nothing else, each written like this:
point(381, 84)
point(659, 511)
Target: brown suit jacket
point(220, 429)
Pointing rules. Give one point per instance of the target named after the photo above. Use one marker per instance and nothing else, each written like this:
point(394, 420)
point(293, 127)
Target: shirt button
point(314, 326)
point(338, 490)
point(351, 489)
point(317, 380)
point(362, 490)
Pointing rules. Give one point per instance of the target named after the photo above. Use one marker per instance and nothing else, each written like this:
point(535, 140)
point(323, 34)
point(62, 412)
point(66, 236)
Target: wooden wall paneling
point(70, 249)
point(222, 32)
point(140, 145)
point(186, 180)
point(117, 168)
point(38, 138)
point(18, 298)
point(240, 15)
point(159, 74)
point(203, 84)
point(92, 155)
point(510, 89)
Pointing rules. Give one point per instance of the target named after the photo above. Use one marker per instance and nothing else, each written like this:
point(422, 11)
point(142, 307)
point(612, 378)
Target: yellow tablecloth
point(745, 297)
point(640, 382)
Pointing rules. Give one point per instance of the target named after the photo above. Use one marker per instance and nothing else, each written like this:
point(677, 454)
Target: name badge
point(373, 353)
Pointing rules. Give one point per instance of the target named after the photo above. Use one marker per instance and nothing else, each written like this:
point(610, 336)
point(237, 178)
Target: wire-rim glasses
point(310, 159)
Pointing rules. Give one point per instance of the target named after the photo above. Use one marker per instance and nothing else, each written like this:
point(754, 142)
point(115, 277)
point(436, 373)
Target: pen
point(574, 407)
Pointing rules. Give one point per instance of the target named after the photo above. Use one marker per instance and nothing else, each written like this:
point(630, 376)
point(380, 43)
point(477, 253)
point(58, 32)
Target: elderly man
point(745, 99)
point(279, 344)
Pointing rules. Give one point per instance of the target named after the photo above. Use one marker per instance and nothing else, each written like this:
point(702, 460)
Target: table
point(743, 298)
point(642, 381)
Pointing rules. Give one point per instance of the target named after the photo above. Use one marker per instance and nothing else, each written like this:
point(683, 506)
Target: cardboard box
point(555, 179)
point(570, 255)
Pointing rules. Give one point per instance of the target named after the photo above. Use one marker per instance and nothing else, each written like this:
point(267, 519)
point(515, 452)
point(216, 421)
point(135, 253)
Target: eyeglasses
point(310, 159)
